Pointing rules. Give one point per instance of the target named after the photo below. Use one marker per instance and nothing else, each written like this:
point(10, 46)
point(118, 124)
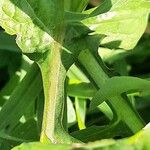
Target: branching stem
point(121, 106)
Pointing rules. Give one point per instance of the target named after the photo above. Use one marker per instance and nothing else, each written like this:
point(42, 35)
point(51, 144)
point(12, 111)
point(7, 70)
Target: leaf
point(40, 146)
point(82, 90)
point(111, 55)
point(28, 20)
point(11, 60)
point(26, 131)
point(119, 25)
point(103, 107)
point(7, 42)
point(139, 141)
point(118, 85)
point(23, 96)
point(39, 111)
point(8, 88)
point(78, 85)
point(23, 132)
point(76, 75)
point(71, 116)
point(15, 78)
point(80, 106)
point(37, 34)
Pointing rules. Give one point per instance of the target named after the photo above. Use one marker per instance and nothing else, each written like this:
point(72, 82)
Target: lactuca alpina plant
point(56, 34)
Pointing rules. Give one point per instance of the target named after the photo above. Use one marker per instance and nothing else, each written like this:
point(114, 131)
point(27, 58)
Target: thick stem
point(122, 107)
point(54, 74)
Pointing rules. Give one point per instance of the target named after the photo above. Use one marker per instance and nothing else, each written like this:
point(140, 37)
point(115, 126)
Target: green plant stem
point(122, 107)
point(54, 74)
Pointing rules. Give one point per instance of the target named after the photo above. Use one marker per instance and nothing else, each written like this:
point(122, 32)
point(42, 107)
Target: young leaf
point(119, 25)
point(118, 85)
point(28, 20)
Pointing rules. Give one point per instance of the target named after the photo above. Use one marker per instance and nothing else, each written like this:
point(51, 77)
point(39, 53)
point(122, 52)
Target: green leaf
point(39, 111)
point(12, 60)
point(106, 110)
point(82, 90)
point(111, 55)
point(118, 85)
point(80, 106)
point(94, 133)
point(22, 97)
point(139, 141)
point(16, 78)
point(26, 131)
point(76, 75)
point(119, 25)
point(28, 20)
point(40, 146)
point(79, 85)
point(71, 116)
point(7, 42)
